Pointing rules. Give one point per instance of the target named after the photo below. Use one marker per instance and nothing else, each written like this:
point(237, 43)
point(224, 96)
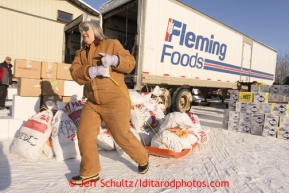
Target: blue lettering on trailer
point(183, 59)
point(189, 39)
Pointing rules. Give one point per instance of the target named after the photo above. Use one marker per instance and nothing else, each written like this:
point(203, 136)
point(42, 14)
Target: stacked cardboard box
point(47, 80)
point(264, 111)
point(70, 87)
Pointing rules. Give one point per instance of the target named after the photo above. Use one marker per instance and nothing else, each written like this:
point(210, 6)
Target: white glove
point(95, 71)
point(109, 60)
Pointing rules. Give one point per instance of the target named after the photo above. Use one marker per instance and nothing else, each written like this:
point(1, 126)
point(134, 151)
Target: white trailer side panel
point(180, 42)
point(263, 64)
point(246, 62)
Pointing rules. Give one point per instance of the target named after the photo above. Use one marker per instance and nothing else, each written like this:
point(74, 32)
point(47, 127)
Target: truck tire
point(166, 100)
point(181, 100)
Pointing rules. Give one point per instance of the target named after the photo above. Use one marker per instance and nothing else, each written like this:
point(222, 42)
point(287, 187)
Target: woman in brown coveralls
point(106, 101)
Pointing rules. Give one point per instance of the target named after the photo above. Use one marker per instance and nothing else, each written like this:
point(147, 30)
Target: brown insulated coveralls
point(106, 102)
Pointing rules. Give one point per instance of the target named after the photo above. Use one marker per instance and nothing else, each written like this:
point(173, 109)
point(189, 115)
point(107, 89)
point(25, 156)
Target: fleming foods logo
point(177, 33)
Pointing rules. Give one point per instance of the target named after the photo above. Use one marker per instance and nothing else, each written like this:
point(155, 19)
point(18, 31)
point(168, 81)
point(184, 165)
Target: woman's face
point(87, 34)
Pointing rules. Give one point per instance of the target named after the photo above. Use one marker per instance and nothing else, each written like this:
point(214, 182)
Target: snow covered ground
point(236, 162)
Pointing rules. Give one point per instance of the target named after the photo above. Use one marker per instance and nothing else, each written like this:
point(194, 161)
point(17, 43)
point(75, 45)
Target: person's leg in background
point(3, 95)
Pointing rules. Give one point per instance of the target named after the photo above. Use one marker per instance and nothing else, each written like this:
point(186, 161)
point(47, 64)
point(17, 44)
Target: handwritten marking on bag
point(65, 128)
point(73, 137)
point(202, 136)
point(29, 138)
point(45, 118)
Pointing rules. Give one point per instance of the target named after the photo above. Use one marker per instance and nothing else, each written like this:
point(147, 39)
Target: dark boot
point(143, 169)
point(78, 180)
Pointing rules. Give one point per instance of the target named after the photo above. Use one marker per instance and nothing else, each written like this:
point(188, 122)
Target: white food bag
point(33, 135)
point(176, 119)
point(73, 109)
point(170, 141)
point(64, 137)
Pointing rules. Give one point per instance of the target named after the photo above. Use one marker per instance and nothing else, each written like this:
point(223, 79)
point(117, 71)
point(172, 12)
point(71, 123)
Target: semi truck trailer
point(184, 51)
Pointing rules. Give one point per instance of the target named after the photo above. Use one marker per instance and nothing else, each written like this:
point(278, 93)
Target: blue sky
point(264, 20)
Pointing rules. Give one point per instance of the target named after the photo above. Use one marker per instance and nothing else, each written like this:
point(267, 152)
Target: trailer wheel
point(166, 100)
point(181, 100)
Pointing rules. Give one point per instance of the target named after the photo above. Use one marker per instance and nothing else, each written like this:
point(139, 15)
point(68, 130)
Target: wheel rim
point(164, 101)
point(184, 103)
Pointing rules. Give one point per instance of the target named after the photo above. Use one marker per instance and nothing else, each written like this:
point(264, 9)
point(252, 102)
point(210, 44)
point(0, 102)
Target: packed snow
point(231, 161)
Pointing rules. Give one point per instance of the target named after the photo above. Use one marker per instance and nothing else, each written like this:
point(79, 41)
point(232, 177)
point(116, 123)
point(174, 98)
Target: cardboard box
point(280, 109)
point(255, 88)
point(271, 120)
point(232, 105)
point(234, 95)
point(264, 88)
point(244, 128)
point(233, 125)
point(269, 131)
point(51, 87)
point(245, 118)
point(284, 120)
point(245, 96)
point(257, 119)
point(63, 72)
point(48, 70)
point(66, 99)
point(27, 69)
point(252, 107)
point(275, 89)
point(241, 106)
point(234, 116)
point(29, 87)
point(283, 133)
point(256, 130)
point(260, 97)
point(276, 97)
point(284, 89)
point(266, 108)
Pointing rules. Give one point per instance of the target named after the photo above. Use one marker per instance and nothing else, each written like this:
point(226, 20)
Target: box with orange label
point(27, 69)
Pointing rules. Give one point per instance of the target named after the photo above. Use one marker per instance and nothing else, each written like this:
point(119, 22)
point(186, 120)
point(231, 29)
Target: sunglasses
point(85, 28)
